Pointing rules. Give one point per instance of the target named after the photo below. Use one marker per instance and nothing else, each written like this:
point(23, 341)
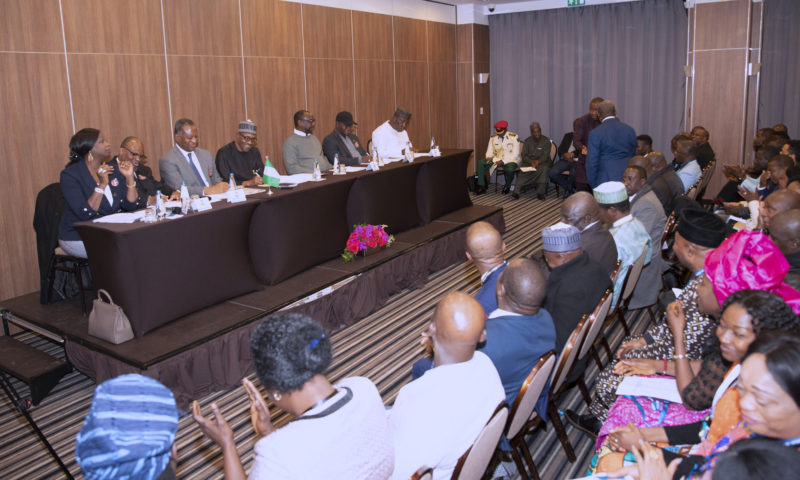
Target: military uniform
point(506, 148)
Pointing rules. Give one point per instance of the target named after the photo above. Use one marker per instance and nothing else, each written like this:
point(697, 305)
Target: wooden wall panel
point(465, 105)
point(375, 103)
point(410, 39)
point(203, 27)
point(725, 129)
point(371, 36)
point(16, 34)
point(441, 42)
point(36, 128)
point(274, 92)
point(327, 32)
point(483, 121)
point(271, 28)
point(444, 108)
point(131, 26)
point(209, 91)
point(464, 43)
point(481, 43)
point(330, 90)
point(142, 110)
point(727, 28)
point(412, 95)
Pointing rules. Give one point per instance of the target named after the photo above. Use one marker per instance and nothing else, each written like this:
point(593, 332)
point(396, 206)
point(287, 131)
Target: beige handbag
point(107, 321)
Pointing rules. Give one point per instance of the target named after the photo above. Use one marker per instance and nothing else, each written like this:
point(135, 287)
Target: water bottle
point(231, 182)
point(185, 200)
point(433, 142)
point(161, 209)
point(317, 174)
point(336, 162)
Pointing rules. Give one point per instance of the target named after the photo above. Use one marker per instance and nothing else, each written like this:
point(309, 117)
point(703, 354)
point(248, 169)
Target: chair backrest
point(472, 464)
point(566, 142)
point(707, 174)
point(422, 473)
point(553, 151)
point(46, 219)
point(616, 271)
point(529, 393)
point(633, 276)
point(692, 192)
point(567, 357)
point(596, 320)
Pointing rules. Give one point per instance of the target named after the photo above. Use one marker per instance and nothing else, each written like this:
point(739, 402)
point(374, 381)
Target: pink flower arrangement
point(364, 237)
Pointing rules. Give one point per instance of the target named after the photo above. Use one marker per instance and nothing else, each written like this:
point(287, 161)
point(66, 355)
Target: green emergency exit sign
point(576, 3)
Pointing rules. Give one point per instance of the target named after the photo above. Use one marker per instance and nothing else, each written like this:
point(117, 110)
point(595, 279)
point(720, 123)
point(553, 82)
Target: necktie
point(195, 170)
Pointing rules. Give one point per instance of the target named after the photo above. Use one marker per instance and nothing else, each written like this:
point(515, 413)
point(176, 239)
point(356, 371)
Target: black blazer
point(334, 144)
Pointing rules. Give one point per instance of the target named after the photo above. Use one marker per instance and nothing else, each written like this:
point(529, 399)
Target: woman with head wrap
point(338, 431)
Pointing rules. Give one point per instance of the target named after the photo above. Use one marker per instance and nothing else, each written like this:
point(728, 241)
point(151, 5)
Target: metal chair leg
point(552, 412)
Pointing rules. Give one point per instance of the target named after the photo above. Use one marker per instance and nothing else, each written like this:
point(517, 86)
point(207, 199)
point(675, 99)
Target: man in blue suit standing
point(610, 147)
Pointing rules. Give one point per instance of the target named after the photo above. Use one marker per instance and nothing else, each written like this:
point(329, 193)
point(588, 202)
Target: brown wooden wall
point(129, 68)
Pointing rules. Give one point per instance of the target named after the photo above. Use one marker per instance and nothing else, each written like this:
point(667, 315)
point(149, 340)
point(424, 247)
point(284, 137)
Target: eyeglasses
point(309, 120)
point(251, 140)
point(140, 156)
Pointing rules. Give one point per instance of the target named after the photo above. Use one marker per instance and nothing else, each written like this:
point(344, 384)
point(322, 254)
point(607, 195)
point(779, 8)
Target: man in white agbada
point(391, 137)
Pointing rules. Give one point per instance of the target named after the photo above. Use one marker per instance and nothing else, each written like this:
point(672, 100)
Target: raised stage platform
point(208, 350)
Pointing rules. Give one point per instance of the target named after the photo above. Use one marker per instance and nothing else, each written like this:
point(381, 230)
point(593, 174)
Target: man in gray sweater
point(302, 148)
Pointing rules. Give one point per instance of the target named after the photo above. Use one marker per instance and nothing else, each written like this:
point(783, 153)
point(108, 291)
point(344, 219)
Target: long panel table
point(159, 272)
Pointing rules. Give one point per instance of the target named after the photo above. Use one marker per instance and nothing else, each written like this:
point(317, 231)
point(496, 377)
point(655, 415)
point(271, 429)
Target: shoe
point(515, 196)
point(506, 190)
point(585, 423)
point(541, 196)
point(480, 191)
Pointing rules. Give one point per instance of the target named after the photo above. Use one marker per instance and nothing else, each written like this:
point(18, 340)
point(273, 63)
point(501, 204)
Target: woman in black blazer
point(92, 188)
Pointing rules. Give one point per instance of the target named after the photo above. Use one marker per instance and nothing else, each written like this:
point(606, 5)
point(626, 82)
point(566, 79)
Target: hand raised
point(217, 430)
point(259, 413)
point(676, 318)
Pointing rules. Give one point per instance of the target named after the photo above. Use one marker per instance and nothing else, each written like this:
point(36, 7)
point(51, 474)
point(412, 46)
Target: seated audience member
point(565, 164)
point(661, 177)
point(781, 129)
point(582, 212)
point(644, 144)
point(503, 151)
point(391, 137)
point(750, 178)
point(241, 157)
point(344, 142)
point(785, 234)
point(630, 236)
point(576, 282)
point(186, 162)
point(688, 171)
point(129, 431)
point(792, 150)
point(302, 150)
point(582, 127)
point(746, 315)
point(338, 431)
point(520, 331)
point(704, 151)
point(438, 416)
point(646, 208)
point(778, 201)
point(698, 233)
point(768, 388)
point(132, 150)
point(536, 154)
point(92, 188)
point(757, 458)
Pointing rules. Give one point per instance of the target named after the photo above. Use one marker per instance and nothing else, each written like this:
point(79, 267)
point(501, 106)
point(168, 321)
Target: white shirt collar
point(503, 313)
point(184, 152)
point(627, 218)
point(590, 225)
point(610, 116)
point(633, 196)
point(302, 134)
point(492, 270)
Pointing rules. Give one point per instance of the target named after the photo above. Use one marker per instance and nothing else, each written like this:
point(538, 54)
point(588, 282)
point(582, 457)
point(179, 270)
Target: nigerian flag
point(271, 176)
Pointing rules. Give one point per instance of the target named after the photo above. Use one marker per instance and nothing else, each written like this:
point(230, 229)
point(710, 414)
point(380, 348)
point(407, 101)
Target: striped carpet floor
point(381, 347)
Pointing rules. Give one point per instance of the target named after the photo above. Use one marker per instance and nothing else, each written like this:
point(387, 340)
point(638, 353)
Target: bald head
point(785, 231)
point(606, 108)
point(457, 328)
point(657, 160)
point(485, 246)
point(639, 161)
point(580, 210)
point(521, 287)
point(778, 201)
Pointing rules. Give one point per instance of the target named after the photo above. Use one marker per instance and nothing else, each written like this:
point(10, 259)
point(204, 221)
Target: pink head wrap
point(749, 260)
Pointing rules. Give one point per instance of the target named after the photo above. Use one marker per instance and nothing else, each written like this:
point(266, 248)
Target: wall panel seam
point(303, 49)
point(66, 64)
point(166, 67)
point(241, 44)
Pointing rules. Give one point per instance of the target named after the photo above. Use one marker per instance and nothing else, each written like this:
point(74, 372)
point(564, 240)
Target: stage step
point(38, 370)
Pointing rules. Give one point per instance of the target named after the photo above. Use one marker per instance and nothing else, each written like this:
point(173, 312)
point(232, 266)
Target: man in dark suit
point(704, 151)
point(581, 127)
point(610, 147)
point(344, 142)
point(132, 150)
point(582, 212)
point(185, 162)
point(661, 178)
point(576, 282)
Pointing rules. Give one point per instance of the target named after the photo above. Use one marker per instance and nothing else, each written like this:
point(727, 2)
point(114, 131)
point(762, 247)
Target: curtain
point(779, 94)
point(547, 65)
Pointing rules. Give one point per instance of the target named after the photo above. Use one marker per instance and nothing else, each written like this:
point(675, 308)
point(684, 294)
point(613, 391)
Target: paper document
point(351, 169)
point(296, 178)
point(422, 154)
point(656, 387)
point(527, 169)
point(603, 476)
point(122, 217)
point(172, 204)
point(251, 191)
